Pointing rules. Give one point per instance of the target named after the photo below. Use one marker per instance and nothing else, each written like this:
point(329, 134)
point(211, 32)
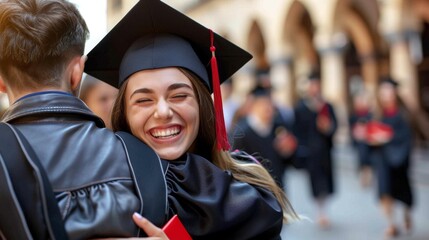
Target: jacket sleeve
point(213, 205)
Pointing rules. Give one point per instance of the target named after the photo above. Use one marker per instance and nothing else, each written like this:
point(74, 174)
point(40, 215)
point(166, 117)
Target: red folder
point(375, 128)
point(324, 111)
point(175, 230)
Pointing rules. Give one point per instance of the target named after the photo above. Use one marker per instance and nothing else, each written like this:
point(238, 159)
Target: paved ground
point(353, 210)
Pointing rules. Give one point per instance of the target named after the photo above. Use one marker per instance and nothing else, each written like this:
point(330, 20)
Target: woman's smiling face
point(162, 110)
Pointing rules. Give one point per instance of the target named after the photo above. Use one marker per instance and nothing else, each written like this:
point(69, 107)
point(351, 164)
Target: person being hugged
point(157, 57)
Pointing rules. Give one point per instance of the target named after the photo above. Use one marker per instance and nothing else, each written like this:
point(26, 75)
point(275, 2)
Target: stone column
point(403, 70)
point(283, 82)
point(334, 87)
point(243, 82)
point(370, 74)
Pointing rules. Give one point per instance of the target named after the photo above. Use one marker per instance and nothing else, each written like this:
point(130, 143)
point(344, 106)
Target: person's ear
point(77, 71)
point(2, 85)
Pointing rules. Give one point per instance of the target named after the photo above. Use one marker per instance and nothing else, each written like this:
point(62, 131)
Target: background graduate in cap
point(392, 157)
point(166, 66)
point(315, 126)
point(261, 133)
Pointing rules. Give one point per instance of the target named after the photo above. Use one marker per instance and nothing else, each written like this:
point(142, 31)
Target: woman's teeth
point(164, 133)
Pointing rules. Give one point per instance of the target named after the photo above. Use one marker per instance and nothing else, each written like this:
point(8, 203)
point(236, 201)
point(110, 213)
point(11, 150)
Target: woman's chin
point(170, 156)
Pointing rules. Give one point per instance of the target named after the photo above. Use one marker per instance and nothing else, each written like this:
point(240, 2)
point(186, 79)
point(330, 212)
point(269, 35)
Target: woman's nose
point(163, 110)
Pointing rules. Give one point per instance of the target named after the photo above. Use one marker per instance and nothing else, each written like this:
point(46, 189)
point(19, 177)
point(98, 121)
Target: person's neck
point(390, 110)
point(315, 103)
point(14, 96)
point(260, 126)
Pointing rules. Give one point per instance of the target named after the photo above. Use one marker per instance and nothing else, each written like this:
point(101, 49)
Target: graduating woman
point(392, 151)
point(158, 57)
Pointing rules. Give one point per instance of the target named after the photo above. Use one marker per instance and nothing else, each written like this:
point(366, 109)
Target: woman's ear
point(77, 71)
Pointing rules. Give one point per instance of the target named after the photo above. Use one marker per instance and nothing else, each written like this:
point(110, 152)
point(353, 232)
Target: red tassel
point(221, 136)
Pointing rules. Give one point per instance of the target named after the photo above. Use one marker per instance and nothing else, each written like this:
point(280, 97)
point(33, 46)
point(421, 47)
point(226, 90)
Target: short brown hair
point(38, 38)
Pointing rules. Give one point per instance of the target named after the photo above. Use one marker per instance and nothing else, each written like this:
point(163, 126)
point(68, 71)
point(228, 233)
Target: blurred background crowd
point(328, 99)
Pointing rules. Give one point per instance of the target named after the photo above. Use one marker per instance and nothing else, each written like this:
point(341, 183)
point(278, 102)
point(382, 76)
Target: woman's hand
point(152, 231)
point(359, 132)
point(285, 143)
point(324, 124)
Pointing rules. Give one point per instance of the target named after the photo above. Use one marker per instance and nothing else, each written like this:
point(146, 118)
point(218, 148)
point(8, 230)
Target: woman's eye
point(143, 100)
point(180, 96)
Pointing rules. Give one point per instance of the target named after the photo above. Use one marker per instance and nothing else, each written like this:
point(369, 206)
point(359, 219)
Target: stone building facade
point(352, 42)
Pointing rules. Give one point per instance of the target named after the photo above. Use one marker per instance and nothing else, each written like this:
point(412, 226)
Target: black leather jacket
point(85, 162)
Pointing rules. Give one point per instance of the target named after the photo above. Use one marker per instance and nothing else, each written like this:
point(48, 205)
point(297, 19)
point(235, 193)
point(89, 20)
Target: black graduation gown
point(392, 161)
point(314, 148)
point(213, 205)
point(362, 148)
point(246, 139)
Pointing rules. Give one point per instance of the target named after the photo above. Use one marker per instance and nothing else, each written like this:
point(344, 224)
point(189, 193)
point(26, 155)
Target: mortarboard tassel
point(221, 137)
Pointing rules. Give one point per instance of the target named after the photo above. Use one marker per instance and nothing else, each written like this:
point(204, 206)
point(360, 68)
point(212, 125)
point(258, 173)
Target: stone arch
point(300, 54)
point(359, 22)
point(421, 9)
point(298, 37)
point(257, 46)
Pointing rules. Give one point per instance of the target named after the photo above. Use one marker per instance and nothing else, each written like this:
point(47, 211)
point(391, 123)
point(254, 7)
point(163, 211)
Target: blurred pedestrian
point(315, 125)
point(263, 81)
point(230, 104)
point(360, 115)
point(259, 133)
point(392, 156)
point(99, 97)
point(284, 115)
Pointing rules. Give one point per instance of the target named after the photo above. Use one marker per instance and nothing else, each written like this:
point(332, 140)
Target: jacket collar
point(49, 103)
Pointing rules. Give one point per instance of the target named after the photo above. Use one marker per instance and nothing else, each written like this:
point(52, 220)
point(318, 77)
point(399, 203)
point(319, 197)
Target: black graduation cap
point(314, 75)
point(261, 91)
point(153, 35)
point(159, 31)
point(389, 80)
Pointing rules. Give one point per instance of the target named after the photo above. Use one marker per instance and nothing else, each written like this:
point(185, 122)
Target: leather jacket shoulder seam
point(44, 110)
point(94, 183)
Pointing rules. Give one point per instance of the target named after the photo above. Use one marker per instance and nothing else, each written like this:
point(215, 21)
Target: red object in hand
point(378, 132)
point(175, 230)
point(324, 111)
point(324, 119)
